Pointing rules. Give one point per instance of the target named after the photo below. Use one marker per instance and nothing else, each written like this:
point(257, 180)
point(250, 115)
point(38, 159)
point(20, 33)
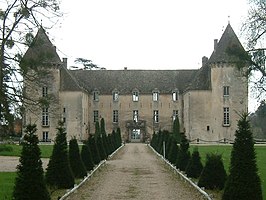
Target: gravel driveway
point(135, 172)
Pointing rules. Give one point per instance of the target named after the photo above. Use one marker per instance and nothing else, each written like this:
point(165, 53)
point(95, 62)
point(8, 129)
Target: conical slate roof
point(229, 41)
point(41, 50)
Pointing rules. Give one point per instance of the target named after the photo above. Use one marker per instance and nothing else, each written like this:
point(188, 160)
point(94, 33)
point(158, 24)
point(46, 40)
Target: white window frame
point(175, 95)
point(156, 116)
point(226, 116)
point(115, 116)
point(115, 96)
point(155, 96)
point(135, 115)
point(135, 96)
point(45, 136)
point(45, 116)
point(95, 116)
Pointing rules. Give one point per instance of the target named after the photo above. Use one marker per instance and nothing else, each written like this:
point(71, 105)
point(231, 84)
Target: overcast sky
point(144, 34)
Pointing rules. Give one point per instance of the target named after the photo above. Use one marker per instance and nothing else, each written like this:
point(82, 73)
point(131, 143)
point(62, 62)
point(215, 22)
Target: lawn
point(7, 180)
point(225, 150)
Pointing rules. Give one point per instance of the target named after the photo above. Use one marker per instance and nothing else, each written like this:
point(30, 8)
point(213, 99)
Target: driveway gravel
point(135, 172)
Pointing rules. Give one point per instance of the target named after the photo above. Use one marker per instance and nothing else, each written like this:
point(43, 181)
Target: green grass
point(46, 150)
point(225, 150)
point(7, 180)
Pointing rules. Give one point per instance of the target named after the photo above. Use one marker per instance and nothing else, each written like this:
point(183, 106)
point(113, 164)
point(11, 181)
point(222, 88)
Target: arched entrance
point(136, 131)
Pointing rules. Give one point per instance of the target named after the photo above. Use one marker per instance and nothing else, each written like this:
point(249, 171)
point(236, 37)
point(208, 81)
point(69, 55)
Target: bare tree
point(255, 29)
point(18, 20)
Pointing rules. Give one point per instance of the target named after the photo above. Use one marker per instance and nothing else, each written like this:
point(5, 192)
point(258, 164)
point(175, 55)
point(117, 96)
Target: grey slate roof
point(41, 50)
point(125, 81)
point(202, 80)
point(228, 40)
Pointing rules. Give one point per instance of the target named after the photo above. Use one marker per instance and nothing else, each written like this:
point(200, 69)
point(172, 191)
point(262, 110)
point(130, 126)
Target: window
point(95, 95)
point(135, 96)
point(95, 116)
point(175, 114)
point(226, 121)
point(226, 90)
point(208, 128)
point(155, 96)
point(175, 95)
point(115, 116)
point(156, 116)
point(115, 96)
point(135, 115)
point(45, 91)
point(45, 136)
point(64, 110)
point(45, 116)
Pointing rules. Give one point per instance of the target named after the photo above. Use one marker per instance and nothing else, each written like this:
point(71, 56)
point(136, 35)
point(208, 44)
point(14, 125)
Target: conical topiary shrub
point(87, 157)
point(213, 175)
point(194, 166)
point(29, 183)
point(243, 180)
point(59, 174)
point(76, 164)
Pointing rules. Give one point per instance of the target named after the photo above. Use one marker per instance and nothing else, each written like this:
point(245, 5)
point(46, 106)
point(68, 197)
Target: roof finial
point(228, 19)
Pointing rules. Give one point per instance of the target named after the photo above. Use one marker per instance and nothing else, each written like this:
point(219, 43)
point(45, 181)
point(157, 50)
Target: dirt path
point(9, 163)
point(135, 173)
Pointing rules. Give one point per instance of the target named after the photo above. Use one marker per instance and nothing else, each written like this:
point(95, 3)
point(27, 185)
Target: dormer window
point(175, 95)
point(115, 95)
point(135, 95)
point(95, 95)
point(155, 95)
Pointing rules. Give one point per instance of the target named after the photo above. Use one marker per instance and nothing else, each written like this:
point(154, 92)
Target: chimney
point(204, 60)
point(65, 62)
point(215, 44)
point(125, 68)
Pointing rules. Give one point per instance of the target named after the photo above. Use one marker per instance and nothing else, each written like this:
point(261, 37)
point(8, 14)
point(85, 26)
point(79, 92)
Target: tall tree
point(59, 174)
point(243, 180)
point(76, 164)
point(29, 183)
point(18, 20)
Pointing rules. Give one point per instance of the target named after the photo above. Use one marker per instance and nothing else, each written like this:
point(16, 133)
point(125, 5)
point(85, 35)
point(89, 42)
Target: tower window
point(45, 91)
point(226, 121)
point(226, 90)
point(45, 116)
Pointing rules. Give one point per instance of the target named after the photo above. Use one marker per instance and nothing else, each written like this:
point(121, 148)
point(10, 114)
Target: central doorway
point(135, 135)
